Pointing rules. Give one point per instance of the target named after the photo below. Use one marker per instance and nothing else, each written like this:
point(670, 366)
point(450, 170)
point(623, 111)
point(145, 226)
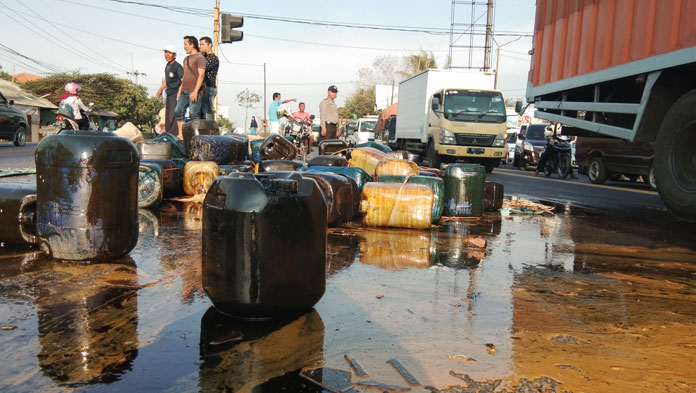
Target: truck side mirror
point(518, 106)
point(11, 102)
point(520, 136)
point(435, 104)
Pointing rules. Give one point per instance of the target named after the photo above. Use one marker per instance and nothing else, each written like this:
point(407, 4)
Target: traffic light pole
point(216, 38)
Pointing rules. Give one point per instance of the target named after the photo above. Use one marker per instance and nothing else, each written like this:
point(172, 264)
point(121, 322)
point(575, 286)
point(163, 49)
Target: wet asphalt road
point(17, 156)
point(584, 300)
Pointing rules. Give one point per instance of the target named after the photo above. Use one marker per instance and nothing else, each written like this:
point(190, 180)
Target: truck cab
point(466, 124)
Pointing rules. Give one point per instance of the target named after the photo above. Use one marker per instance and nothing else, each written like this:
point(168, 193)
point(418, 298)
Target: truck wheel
point(597, 171)
point(431, 156)
point(20, 136)
point(675, 158)
point(489, 164)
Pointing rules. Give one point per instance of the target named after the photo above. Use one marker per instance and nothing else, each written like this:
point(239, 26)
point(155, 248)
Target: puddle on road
point(563, 303)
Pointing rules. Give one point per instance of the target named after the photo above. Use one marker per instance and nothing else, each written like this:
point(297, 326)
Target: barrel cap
point(86, 149)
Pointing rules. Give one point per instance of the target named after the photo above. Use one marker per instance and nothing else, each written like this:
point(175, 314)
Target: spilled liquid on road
point(569, 302)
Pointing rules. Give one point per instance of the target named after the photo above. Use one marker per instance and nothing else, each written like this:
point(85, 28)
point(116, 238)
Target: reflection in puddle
point(395, 249)
point(587, 302)
point(238, 356)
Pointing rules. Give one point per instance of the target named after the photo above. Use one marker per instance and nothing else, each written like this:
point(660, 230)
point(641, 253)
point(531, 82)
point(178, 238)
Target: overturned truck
point(626, 69)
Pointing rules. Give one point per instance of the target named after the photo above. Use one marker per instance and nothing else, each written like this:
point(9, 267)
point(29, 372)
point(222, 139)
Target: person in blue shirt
point(273, 112)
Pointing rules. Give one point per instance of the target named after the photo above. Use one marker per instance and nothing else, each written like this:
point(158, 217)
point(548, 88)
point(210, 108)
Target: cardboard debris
point(131, 132)
point(474, 241)
point(524, 206)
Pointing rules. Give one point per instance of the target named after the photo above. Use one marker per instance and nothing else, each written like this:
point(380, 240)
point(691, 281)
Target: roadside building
point(104, 118)
point(38, 110)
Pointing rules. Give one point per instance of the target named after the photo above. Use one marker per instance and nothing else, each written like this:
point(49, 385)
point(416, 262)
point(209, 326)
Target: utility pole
point(489, 35)
point(135, 73)
point(497, 60)
point(216, 38)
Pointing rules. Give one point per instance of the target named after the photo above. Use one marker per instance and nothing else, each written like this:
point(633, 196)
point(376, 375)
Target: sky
point(302, 60)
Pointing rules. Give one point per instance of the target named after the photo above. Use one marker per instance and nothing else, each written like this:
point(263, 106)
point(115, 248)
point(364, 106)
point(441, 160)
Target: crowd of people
point(192, 86)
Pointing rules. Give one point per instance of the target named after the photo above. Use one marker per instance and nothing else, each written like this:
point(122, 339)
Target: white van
point(366, 129)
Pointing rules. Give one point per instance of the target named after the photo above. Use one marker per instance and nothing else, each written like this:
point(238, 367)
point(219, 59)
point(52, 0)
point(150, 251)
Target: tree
point(225, 123)
point(384, 70)
point(360, 103)
point(417, 63)
point(4, 75)
point(246, 100)
point(107, 92)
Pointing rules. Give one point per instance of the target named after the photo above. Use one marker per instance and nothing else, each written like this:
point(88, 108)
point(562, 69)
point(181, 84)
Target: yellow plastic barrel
point(198, 176)
point(396, 167)
point(397, 205)
point(367, 158)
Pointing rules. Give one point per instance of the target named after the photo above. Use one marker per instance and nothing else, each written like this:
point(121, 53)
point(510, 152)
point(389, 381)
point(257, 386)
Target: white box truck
point(452, 115)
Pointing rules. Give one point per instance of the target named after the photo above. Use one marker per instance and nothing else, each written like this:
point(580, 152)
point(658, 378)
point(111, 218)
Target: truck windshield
point(368, 126)
point(476, 106)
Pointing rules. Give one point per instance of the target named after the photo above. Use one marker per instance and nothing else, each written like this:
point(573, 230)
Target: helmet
point(283, 110)
point(72, 88)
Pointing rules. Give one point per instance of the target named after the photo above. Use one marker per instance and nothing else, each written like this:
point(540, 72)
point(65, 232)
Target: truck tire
point(431, 155)
point(675, 158)
point(20, 136)
point(489, 164)
point(597, 171)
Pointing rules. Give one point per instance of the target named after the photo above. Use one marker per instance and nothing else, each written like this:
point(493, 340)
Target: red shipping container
point(577, 37)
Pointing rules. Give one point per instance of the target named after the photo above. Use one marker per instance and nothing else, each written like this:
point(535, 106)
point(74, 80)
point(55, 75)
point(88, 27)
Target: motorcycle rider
point(550, 152)
point(305, 117)
point(72, 106)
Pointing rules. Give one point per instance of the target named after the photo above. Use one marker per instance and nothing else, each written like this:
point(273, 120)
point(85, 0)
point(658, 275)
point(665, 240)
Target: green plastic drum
point(358, 174)
point(375, 145)
point(437, 185)
point(227, 169)
point(256, 154)
point(464, 190)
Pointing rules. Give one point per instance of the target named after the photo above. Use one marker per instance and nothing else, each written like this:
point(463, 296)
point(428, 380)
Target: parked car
point(511, 141)
point(349, 131)
point(609, 158)
point(13, 122)
point(365, 130)
point(316, 133)
point(529, 146)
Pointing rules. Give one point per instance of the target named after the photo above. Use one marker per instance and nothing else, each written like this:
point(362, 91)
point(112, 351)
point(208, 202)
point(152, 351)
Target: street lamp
point(497, 59)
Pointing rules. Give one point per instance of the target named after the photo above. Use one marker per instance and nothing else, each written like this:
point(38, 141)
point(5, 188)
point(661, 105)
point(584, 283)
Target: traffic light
point(228, 24)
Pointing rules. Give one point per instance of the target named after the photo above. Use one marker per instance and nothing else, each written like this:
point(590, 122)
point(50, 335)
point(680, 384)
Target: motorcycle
point(561, 161)
point(70, 123)
point(301, 132)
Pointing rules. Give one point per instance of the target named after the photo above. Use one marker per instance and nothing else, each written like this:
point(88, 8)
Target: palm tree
point(417, 63)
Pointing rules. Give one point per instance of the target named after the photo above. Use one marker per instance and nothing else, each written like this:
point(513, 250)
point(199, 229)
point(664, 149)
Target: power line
point(78, 41)
point(50, 67)
point(51, 40)
point(28, 66)
point(260, 36)
point(314, 22)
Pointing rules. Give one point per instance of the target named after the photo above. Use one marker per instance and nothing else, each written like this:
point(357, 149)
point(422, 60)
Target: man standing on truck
point(328, 113)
